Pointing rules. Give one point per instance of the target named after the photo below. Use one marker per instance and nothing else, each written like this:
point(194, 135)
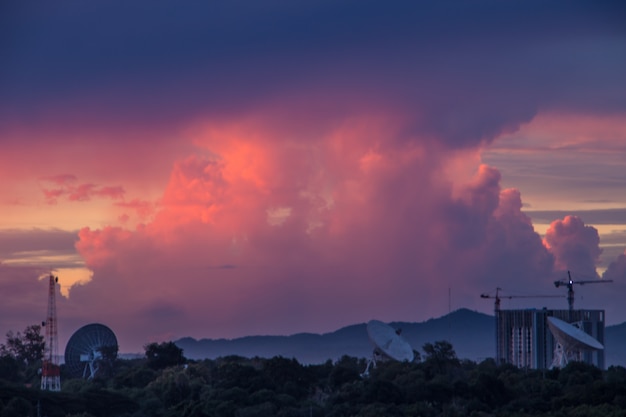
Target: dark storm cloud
point(469, 70)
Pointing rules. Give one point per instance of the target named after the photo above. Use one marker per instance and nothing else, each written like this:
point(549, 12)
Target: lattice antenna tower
point(50, 371)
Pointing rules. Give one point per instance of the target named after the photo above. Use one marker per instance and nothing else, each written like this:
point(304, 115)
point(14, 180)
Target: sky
point(223, 169)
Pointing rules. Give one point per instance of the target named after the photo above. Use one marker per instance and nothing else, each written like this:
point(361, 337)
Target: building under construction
point(524, 339)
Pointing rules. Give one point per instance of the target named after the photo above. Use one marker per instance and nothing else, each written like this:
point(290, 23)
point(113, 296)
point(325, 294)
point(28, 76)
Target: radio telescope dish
point(88, 348)
point(571, 342)
point(388, 344)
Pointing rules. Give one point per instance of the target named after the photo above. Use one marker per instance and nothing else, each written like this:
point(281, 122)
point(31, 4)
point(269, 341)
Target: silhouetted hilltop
point(470, 332)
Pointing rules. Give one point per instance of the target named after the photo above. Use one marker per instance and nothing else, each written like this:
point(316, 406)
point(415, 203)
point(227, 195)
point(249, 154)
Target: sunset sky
point(227, 168)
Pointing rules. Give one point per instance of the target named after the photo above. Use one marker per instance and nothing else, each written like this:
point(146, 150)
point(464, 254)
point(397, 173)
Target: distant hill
point(471, 333)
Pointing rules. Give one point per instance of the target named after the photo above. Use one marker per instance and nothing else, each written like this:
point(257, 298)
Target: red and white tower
point(50, 371)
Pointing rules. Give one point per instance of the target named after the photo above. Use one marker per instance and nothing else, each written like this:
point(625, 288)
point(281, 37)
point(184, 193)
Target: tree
point(162, 355)
point(27, 348)
point(440, 356)
point(106, 361)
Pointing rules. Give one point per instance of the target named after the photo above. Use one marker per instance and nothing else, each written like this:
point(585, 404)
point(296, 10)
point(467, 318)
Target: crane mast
point(570, 287)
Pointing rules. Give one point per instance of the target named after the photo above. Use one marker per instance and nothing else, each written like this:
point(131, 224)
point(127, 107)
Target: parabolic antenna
point(388, 344)
point(87, 348)
point(388, 341)
point(571, 341)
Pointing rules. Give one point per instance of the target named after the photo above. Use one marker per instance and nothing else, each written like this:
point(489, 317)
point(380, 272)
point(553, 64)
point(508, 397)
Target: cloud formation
point(617, 269)
point(283, 167)
point(365, 230)
point(575, 246)
point(77, 192)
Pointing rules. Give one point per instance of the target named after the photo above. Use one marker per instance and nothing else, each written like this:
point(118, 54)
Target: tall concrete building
point(524, 339)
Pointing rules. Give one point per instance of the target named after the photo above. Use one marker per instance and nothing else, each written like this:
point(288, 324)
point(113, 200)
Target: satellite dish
point(388, 344)
point(571, 341)
point(87, 348)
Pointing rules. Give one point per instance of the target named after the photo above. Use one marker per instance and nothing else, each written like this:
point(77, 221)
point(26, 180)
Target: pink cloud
point(142, 208)
point(114, 193)
point(97, 247)
point(365, 230)
point(51, 196)
point(574, 245)
point(80, 192)
point(321, 176)
point(142, 157)
point(337, 229)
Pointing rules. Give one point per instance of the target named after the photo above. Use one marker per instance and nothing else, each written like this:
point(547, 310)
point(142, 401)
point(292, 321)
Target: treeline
point(164, 384)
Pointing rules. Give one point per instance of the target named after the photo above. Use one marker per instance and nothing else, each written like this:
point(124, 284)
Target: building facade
point(524, 339)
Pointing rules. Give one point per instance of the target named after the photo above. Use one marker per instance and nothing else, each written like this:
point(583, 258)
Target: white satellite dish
point(571, 342)
point(388, 344)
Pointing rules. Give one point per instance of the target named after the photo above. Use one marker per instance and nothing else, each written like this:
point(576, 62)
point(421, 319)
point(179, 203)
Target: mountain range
point(472, 334)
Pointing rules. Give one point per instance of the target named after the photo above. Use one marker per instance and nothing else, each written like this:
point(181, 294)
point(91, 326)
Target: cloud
point(367, 228)
point(575, 246)
point(100, 242)
point(80, 192)
point(142, 208)
point(617, 269)
point(15, 241)
point(89, 190)
point(52, 195)
point(31, 253)
point(566, 162)
point(309, 145)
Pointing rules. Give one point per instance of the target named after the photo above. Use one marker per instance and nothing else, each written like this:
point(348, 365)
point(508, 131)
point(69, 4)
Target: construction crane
point(570, 287)
point(498, 297)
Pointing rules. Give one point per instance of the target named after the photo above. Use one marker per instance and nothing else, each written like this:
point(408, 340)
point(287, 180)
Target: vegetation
point(163, 355)
point(164, 384)
point(21, 355)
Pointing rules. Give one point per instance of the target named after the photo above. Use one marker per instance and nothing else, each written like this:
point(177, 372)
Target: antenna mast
point(51, 372)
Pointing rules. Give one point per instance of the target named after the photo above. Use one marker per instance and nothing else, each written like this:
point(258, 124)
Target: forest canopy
point(163, 383)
